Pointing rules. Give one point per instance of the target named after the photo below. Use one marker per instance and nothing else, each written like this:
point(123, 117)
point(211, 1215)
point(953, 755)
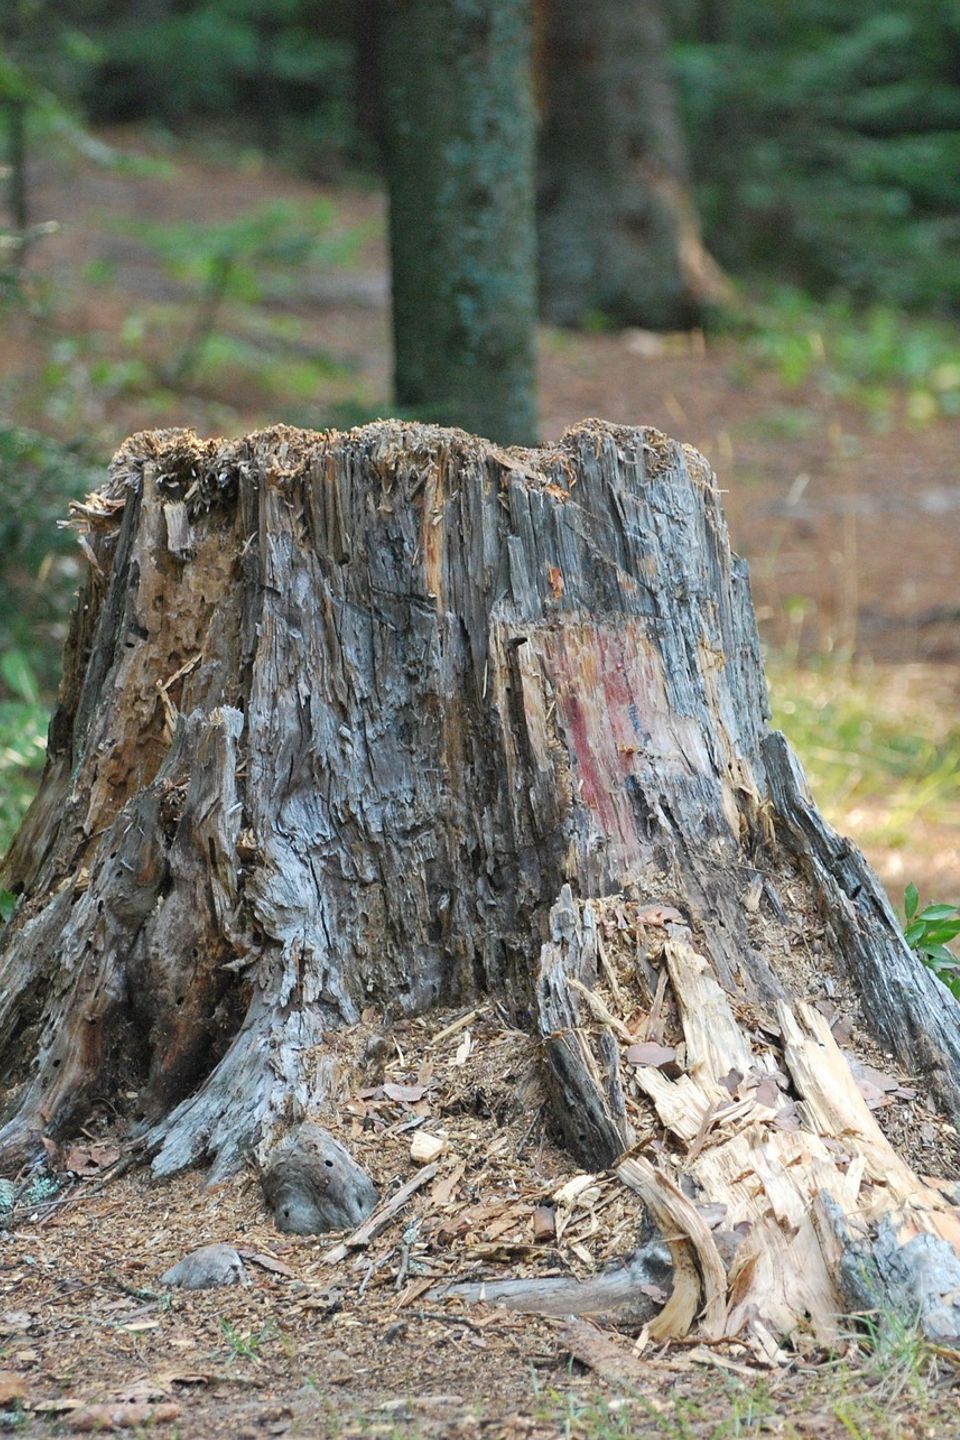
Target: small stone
point(207, 1267)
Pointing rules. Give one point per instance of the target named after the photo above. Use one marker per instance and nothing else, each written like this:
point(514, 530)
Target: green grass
point(879, 745)
point(870, 356)
point(23, 740)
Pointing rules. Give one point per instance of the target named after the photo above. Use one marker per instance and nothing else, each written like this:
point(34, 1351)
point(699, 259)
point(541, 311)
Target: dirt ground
point(327, 1339)
point(854, 546)
point(86, 1327)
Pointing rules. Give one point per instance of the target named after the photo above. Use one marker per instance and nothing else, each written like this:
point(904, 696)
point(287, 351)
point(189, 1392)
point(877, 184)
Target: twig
point(380, 1218)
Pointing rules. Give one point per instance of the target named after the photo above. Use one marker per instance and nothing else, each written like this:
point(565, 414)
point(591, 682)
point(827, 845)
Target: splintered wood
point(789, 1170)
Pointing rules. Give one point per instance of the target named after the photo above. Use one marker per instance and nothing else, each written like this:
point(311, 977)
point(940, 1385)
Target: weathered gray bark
point(379, 720)
point(618, 227)
point(458, 127)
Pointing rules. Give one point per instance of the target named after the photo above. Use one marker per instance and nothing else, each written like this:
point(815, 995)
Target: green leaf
point(8, 903)
point(941, 934)
point(938, 957)
point(911, 899)
point(18, 674)
point(938, 912)
point(914, 932)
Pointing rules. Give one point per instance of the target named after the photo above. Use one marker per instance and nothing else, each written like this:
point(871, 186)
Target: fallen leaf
point(90, 1159)
point(15, 1322)
point(267, 1262)
point(12, 1387)
point(767, 1092)
point(406, 1094)
point(878, 1078)
point(463, 1050)
point(660, 1057)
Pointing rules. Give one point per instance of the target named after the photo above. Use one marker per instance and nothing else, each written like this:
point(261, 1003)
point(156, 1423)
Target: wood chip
point(544, 1224)
point(426, 1147)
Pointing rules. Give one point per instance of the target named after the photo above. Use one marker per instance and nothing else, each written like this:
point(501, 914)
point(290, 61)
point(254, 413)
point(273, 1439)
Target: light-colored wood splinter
point(785, 1273)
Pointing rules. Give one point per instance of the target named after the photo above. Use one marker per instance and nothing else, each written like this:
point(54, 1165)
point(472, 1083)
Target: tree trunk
point(619, 232)
point(355, 726)
point(459, 142)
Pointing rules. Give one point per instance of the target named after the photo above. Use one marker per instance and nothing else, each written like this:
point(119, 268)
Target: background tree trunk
point(458, 151)
point(618, 227)
point(353, 726)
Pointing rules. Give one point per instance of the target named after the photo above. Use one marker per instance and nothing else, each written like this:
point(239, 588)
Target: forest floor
point(849, 518)
point(332, 1341)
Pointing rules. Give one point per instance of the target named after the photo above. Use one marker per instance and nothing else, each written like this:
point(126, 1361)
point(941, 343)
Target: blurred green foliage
point(868, 354)
point(262, 253)
point(39, 573)
point(870, 743)
point(275, 73)
point(826, 141)
point(40, 569)
point(23, 740)
point(825, 138)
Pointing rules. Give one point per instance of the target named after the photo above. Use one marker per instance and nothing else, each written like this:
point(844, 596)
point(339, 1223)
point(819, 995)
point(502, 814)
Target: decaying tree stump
point(355, 725)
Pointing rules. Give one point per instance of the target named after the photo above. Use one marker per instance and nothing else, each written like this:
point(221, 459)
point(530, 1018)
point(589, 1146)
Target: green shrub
point(826, 142)
point(929, 932)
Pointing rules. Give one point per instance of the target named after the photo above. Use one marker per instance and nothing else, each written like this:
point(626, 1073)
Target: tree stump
point(356, 725)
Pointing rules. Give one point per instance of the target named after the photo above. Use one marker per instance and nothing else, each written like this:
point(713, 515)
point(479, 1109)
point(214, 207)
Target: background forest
point(748, 226)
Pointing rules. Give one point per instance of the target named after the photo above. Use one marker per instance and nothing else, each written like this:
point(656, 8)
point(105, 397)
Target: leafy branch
point(928, 932)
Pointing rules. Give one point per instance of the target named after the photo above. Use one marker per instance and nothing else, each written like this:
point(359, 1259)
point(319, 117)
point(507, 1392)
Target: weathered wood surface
point(311, 1183)
point(626, 1294)
point(366, 720)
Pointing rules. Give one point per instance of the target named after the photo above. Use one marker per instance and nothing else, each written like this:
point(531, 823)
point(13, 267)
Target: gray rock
point(204, 1268)
point(312, 1184)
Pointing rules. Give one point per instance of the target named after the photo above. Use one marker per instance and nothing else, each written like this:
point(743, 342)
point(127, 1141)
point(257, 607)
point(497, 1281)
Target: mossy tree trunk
point(618, 227)
point(353, 726)
point(458, 133)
